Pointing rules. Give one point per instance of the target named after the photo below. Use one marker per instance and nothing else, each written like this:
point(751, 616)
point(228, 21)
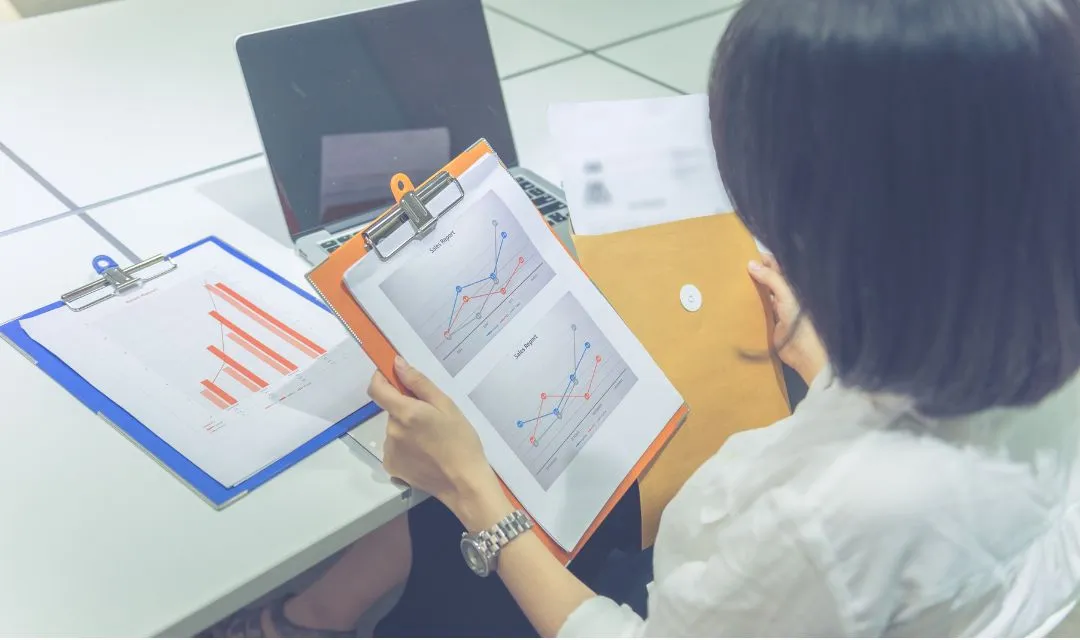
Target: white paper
point(288, 373)
point(634, 163)
point(489, 305)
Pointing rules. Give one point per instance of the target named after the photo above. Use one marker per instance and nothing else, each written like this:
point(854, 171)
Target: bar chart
point(238, 343)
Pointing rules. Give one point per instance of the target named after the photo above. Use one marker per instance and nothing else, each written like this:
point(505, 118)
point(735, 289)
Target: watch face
point(474, 557)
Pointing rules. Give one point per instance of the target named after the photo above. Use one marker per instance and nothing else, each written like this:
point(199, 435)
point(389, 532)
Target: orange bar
point(218, 402)
point(271, 319)
point(308, 351)
point(239, 367)
point(277, 366)
point(219, 392)
point(235, 375)
point(254, 341)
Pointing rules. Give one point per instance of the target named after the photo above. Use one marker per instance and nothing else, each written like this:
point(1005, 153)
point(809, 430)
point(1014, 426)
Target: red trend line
point(520, 261)
point(588, 387)
point(539, 410)
point(464, 301)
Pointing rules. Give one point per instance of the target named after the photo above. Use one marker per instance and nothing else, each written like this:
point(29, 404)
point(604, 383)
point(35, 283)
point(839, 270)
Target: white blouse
point(858, 517)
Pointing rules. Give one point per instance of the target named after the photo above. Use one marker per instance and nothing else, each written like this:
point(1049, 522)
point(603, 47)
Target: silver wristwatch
point(481, 550)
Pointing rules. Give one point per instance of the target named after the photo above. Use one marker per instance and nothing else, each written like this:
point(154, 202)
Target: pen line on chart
point(220, 326)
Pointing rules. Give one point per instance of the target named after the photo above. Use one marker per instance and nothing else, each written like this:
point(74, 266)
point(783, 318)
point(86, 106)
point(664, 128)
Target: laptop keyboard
point(334, 244)
point(553, 210)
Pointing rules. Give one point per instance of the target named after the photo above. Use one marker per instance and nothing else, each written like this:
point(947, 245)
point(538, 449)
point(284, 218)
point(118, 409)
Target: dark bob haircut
point(914, 166)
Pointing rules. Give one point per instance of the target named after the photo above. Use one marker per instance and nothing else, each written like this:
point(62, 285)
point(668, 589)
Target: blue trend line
point(498, 253)
point(565, 398)
point(493, 276)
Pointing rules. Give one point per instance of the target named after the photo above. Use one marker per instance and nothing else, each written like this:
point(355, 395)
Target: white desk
point(97, 538)
point(117, 98)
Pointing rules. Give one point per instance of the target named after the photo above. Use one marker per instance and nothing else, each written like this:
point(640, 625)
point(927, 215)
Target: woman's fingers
point(387, 396)
point(769, 260)
point(419, 384)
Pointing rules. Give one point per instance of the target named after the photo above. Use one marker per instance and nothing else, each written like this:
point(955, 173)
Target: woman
point(914, 166)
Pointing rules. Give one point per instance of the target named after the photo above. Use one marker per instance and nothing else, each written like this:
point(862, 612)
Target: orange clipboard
point(328, 279)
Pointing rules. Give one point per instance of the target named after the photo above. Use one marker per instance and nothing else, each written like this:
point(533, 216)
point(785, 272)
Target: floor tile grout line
point(621, 41)
point(74, 209)
point(674, 25)
point(81, 210)
point(638, 73)
point(536, 28)
point(48, 186)
point(39, 223)
point(540, 67)
point(109, 237)
point(171, 181)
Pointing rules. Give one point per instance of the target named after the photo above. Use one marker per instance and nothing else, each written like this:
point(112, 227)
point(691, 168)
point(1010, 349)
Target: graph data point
point(588, 345)
point(503, 291)
point(464, 298)
point(598, 358)
point(521, 259)
point(494, 223)
point(573, 327)
point(446, 334)
point(543, 396)
point(478, 315)
point(573, 378)
point(492, 275)
point(503, 234)
point(532, 441)
point(588, 395)
point(520, 424)
point(458, 288)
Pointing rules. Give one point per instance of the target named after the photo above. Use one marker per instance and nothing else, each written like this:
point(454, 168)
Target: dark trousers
point(443, 597)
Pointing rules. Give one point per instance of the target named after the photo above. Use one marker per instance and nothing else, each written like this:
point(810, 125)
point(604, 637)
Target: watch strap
point(502, 532)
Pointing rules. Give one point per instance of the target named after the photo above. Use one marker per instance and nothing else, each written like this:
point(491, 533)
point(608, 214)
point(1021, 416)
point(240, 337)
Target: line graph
point(547, 398)
point(476, 276)
point(566, 396)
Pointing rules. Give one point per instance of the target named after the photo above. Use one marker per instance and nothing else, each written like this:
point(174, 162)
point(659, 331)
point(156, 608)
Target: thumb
point(776, 284)
point(417, 382)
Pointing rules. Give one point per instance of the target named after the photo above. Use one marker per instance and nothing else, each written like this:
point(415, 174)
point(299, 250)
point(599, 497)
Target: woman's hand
point(797, 343)
point(431, 446)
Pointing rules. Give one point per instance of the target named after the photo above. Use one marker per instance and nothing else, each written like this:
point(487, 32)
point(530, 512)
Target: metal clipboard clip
point(415, 215)
point(116, 280)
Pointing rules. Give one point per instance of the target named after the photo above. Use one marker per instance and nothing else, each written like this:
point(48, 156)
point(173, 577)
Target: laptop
point(345, 102)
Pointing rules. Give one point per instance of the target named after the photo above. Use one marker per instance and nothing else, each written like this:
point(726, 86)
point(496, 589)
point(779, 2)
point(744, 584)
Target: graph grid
point(549, 397)
point(477, 275)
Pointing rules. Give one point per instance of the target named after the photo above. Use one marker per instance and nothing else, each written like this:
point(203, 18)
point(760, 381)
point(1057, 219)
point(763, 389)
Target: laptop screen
point(346, 102)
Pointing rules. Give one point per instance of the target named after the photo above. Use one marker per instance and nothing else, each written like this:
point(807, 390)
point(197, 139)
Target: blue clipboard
point(216, 494)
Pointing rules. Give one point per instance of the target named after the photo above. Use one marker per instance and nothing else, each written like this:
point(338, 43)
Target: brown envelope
point(641, 273)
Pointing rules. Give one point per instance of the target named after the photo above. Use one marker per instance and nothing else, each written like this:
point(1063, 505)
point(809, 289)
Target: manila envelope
point(703, 353)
